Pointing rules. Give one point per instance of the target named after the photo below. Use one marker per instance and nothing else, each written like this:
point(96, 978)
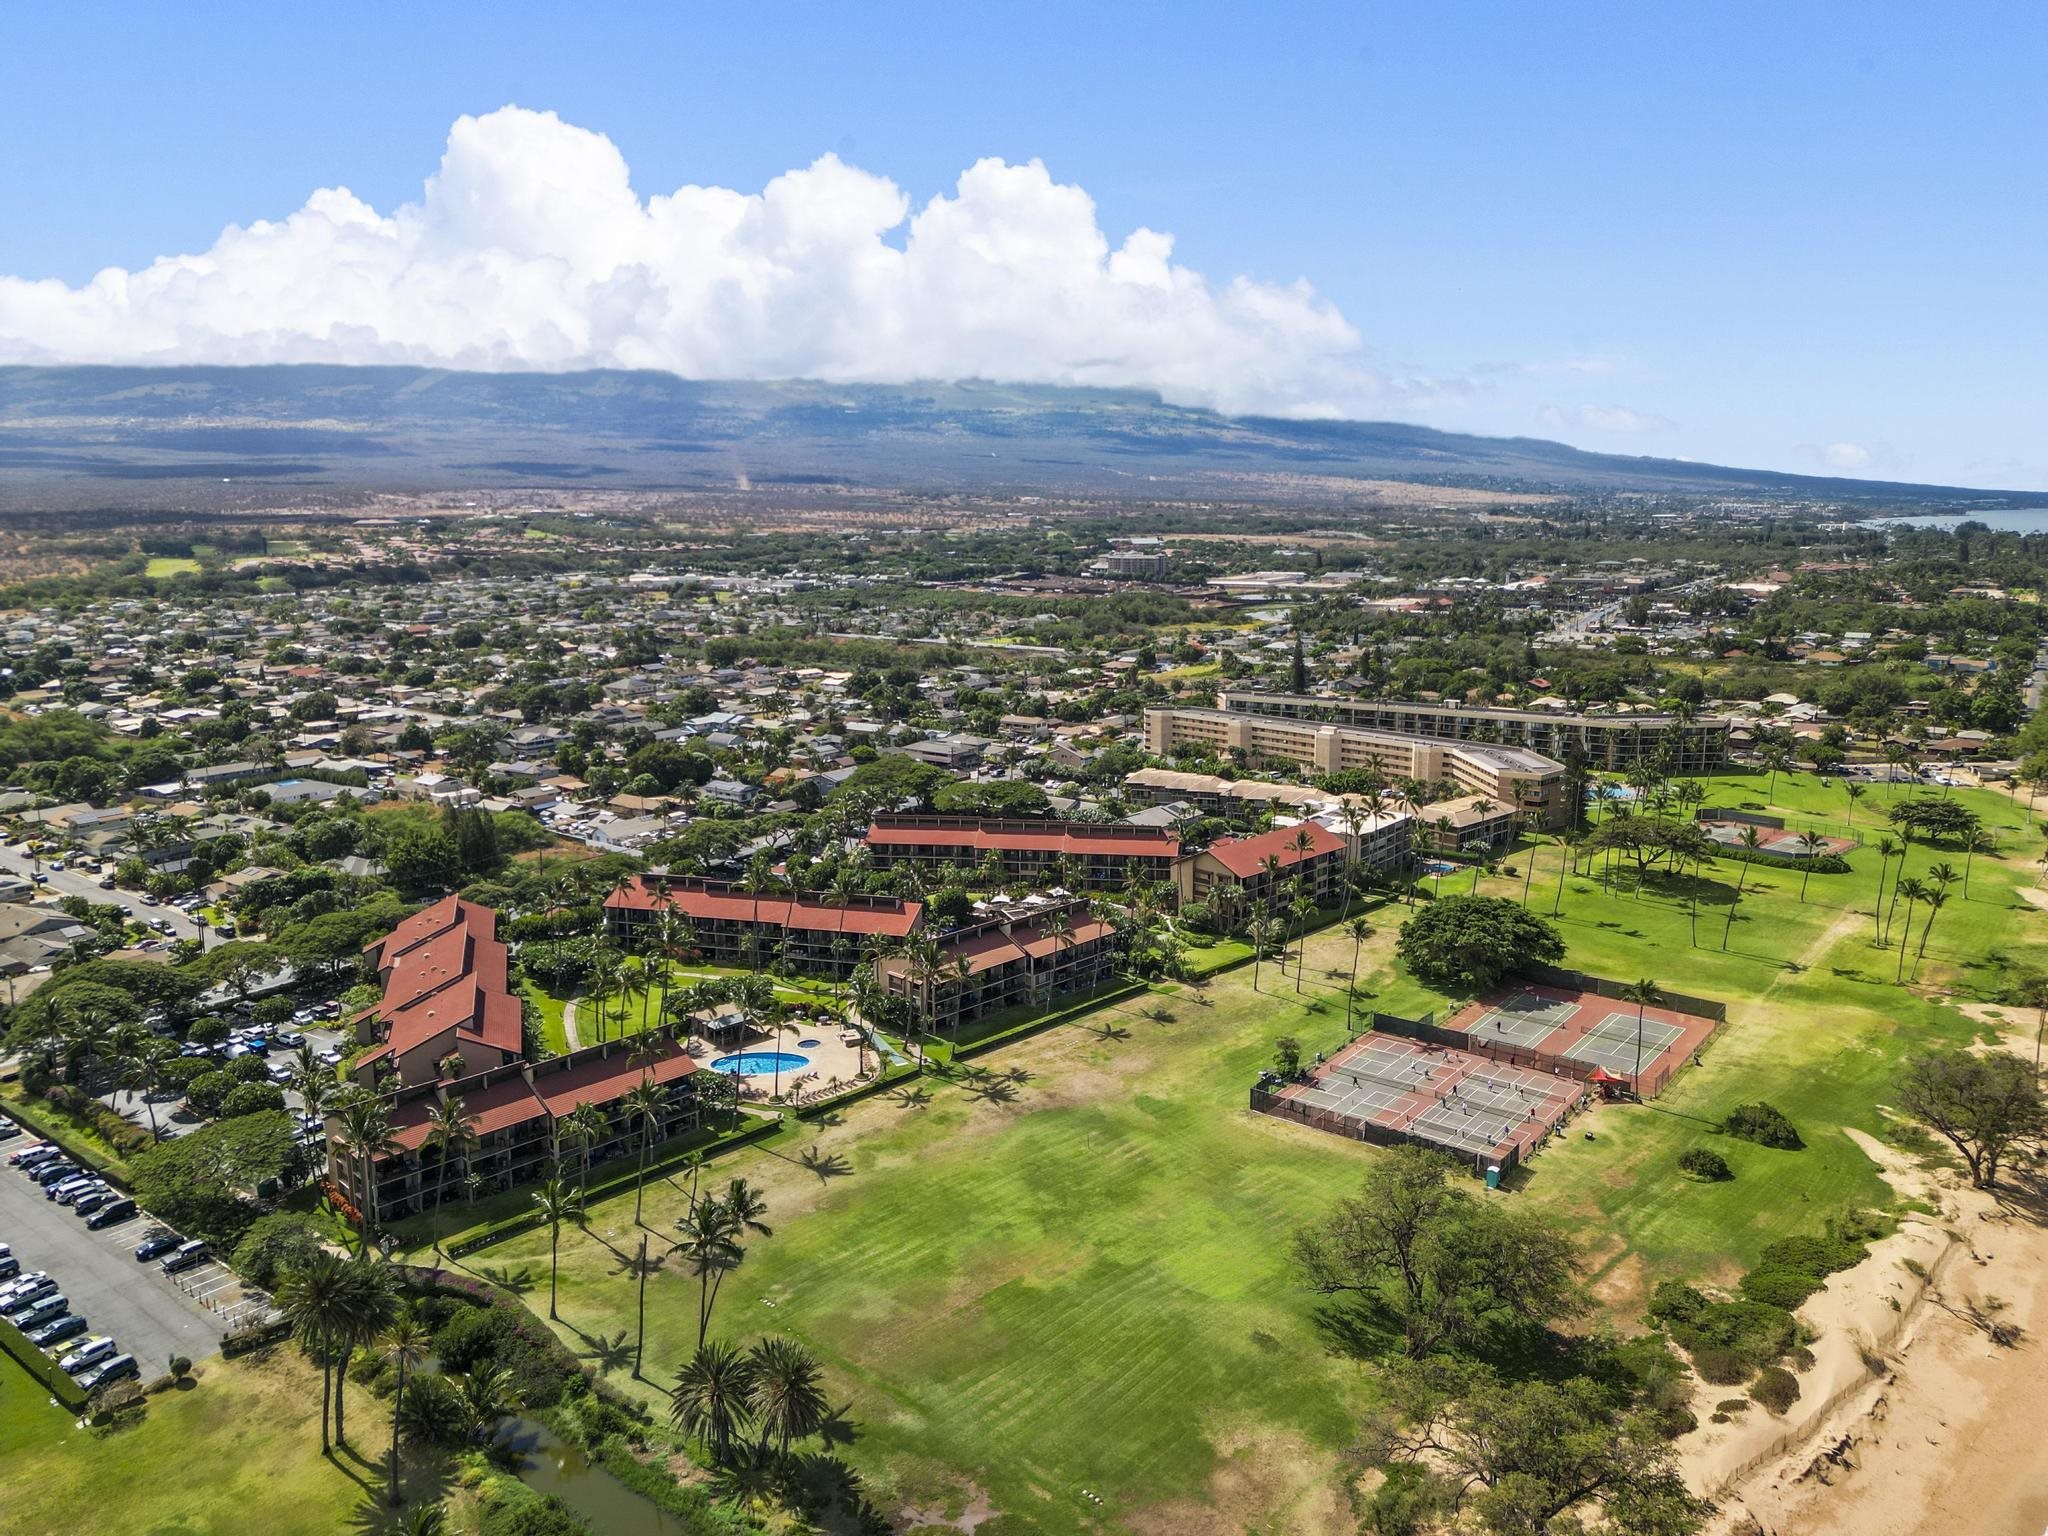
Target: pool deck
point(828, 1058)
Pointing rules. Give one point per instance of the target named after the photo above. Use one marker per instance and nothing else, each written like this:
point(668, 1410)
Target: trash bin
point(1493, 1175)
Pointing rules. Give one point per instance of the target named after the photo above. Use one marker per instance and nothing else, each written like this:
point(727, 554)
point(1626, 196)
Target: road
point(2038, 680)
point(76, 882)
point(1576, 627)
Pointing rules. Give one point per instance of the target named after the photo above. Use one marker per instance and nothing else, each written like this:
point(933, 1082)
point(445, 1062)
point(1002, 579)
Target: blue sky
point(1810, 241)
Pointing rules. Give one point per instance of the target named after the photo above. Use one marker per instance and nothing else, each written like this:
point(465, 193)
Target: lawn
point(238, 1450)
point(1071, 1276)
point(171, 565)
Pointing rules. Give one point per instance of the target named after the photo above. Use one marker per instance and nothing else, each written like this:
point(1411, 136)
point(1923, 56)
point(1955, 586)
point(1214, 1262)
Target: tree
point(451, 1133)
point(369, 1301)
point(788, 1398)
point(1982, 1106)
point(1887, 850)
point(1287, 1056)
point(314, 1300)
point(407, 1343)
point(713, 1396)
point(710, 1244)
point(556, 1203)
point(366, 1136)
point(1520, 1456)
point(1448, 1268)
point(644, 1103)
point(1467, 943)
point(1360, 930)
point(1812, 845)
point(1645, 994)
point(1913, 890)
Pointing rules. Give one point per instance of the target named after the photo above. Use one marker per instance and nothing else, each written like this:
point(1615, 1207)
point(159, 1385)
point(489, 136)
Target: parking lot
point(150, 1315)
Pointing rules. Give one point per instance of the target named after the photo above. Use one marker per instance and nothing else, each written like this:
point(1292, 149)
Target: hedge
point(46, 1123)
point(41, 1367)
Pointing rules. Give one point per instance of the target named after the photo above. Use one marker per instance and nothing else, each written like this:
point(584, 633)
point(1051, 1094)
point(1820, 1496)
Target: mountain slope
point(415, 428)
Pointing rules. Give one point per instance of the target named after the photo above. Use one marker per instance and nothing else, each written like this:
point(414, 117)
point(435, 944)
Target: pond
point(549, 1464)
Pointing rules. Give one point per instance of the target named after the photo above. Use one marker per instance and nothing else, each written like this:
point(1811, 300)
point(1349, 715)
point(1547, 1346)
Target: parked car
point(54, 1170)
point(69, 1326)
point(9, 1267)
point(120, 1368)
point(9, 1130)
point(22, 1156)
point(88, 1354)
point(32, 1292)
point(91, 1201)
point(70, 1188)
point(21, 1285)
point(116, 1210)
point(44, 1309)
point(161, 1240)
point(185, 1256)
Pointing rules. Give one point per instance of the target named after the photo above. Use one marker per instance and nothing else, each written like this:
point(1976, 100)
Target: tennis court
point(1541, 1026)
point(1612, 1043)
point(1456, 1101)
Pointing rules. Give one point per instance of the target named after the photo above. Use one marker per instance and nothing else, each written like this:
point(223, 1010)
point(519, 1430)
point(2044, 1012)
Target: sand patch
point(1266, 1483)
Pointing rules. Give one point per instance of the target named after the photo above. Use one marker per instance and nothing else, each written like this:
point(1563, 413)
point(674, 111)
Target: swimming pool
point(809, 1045)
point(759, 1063)
point(1439, 868)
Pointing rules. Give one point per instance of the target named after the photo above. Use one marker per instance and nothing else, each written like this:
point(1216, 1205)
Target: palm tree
point(450, 1132)
point(368, 1300)
point(366, 1136)
point(1360, 930)
point(1935, 900)
point(1258, 937)
point(1887, 850)
point(556, 1204)
point(710, 1243)
point(407, 1343)
point(1810, 844)
point(1567, 847)
point(788, 1398)
point(586, 1126)
point(1644, 994)
point(1778, 760)
point(713, 1396)
point(142, 1072)
point(313, 1296)
point(645, 1103)
point(1913, 891)
point(1855, 792)
point(1975, 841)
point(1751, 841)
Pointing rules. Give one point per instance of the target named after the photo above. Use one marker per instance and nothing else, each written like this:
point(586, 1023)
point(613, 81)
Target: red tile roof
point(1246, 856)
point(1055, 837)
point(713, 902)
point(607, 1079)
point(444, 969)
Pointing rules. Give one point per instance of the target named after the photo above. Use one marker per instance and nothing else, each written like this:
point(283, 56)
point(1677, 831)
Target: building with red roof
point(1241, 872)
point(446, 998)
point(727, 924)
point(512, 1113)
point(1021, 956)
point(1093, 855)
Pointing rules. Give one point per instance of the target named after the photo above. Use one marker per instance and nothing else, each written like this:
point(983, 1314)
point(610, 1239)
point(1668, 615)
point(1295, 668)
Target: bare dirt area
point(1920, 1416)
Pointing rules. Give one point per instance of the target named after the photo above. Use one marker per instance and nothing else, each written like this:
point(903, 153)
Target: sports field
point(1068, 1279)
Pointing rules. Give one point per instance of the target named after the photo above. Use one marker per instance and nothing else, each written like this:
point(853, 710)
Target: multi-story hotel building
point(1243, 872)
point(1099, 857)
point(1609, 743)
point(446, 1004)
point(1528, 782)
point(1020, 956)
point(728, 925)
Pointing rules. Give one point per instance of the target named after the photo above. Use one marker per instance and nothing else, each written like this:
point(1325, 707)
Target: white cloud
point(1605, 418)
point(1845, 456)
point(529, 248)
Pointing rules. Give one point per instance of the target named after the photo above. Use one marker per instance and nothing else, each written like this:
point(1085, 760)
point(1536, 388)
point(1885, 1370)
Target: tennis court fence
point(1336, 1123)
point(1602, 986)
point(1431, 1033)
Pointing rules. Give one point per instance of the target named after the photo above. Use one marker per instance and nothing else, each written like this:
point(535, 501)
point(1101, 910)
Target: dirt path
point(569, 1031)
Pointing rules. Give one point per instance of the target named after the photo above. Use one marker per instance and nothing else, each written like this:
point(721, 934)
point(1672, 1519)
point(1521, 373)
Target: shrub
point(1780, 1287)
point(1776, 1388)
point(1705, 1163)
point(180, 1367)
point(273, 1245)
point(180, 1071)
point(1675, 1301)
point(524, 1514)
point(1722, 1366)
point(1762, 1124)
point(207, 1093)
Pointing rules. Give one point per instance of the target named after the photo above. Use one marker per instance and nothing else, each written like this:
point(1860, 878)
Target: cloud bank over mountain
point(529, 249)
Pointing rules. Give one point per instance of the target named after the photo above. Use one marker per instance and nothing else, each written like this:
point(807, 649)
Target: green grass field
point(171, 565)
point(1074, 1279)
point(238, 1450)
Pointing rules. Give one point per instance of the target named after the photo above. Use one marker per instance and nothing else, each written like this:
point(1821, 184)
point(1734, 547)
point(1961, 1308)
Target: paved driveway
point(150, 1315)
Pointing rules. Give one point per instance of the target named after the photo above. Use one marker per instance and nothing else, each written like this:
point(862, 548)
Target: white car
point(88, 1354)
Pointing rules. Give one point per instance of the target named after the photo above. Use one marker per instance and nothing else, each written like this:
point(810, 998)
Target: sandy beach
point(1912, 1421)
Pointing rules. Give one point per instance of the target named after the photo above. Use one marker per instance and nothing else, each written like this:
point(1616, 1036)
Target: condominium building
point(1024, 956)
point(1609, 742)
point(728, 925)
point(1532, 784)
point(447, 1008)
point(512, 1114)
point(1380, 839)
point(1243, 872)
point(1088, 854)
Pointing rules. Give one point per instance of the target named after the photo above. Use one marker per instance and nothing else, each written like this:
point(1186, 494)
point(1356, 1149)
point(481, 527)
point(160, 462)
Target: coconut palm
point(710, 1243)
point(1976, 841)
point(1751, 841)
point(644, 1104)
point(1645, 994)
point(586, 1126)
point(1913, 890)
point(556, 1203)
point(1811, 844)
point(142, 1071)
point(1934, 901)
point(1855, 792)
point(1360, 930)
point(1887, 850)
point(788, 1397)
point(368, 1302)
point(365, 1137)
point(713, 1396)
point(314, 1298)
point(452, 1134)
point(1258, 936)
point(407, 1342)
